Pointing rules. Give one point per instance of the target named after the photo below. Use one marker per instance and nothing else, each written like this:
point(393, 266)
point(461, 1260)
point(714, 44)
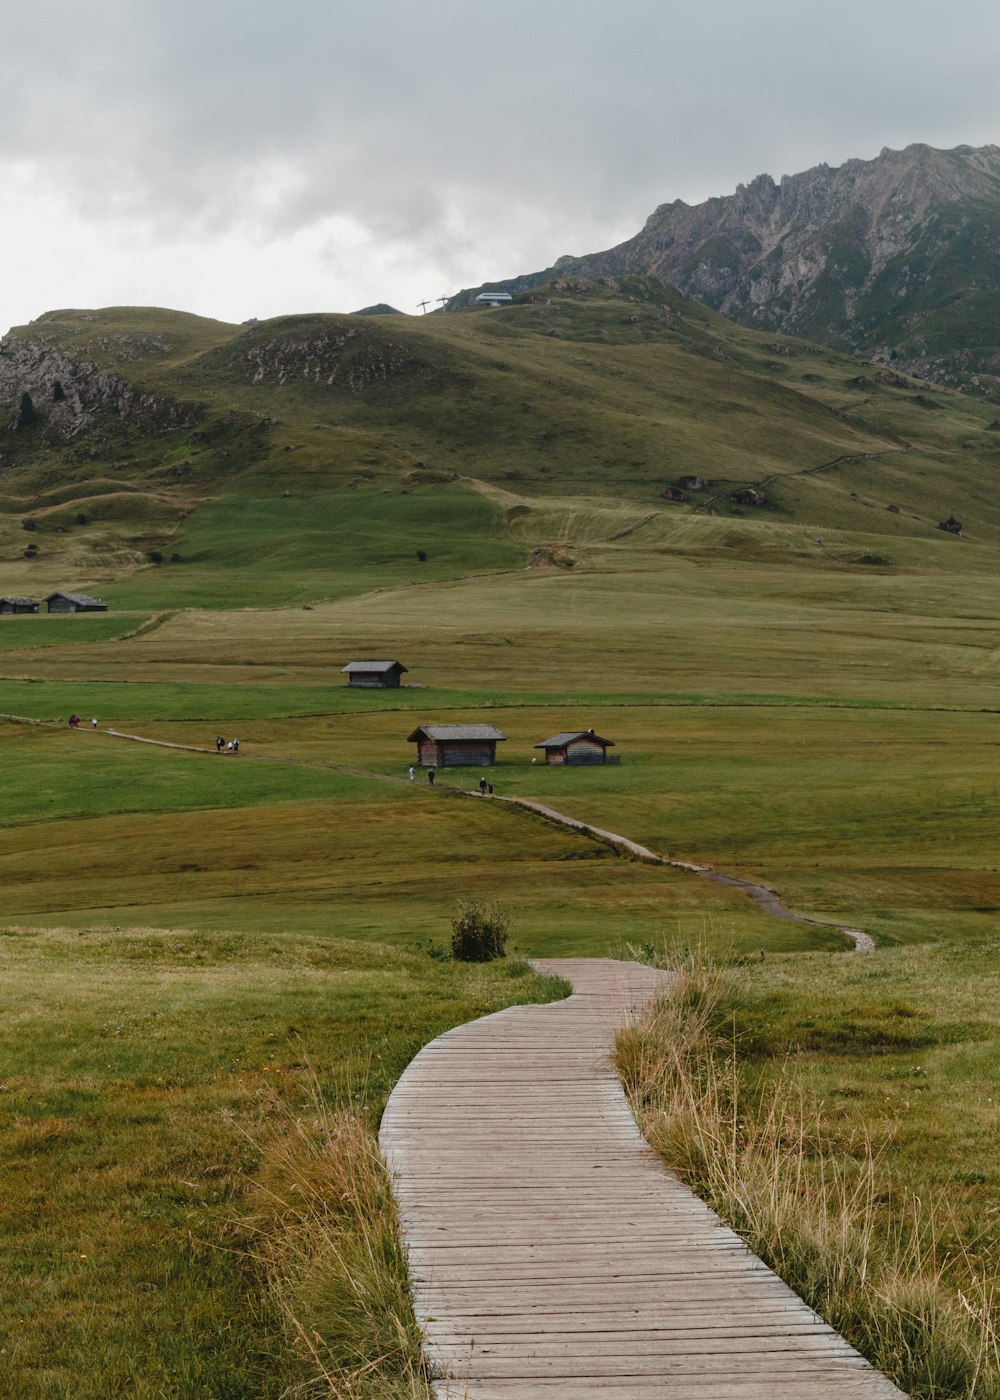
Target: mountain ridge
point(896, 258)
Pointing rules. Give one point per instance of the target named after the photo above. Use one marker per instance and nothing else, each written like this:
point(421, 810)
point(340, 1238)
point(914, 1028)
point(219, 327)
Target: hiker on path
point(74, 721)
point(236, 746)
point(220, 744)
point(411, 772)
point(482, 787)
point(490, 788)
point(93, 723)
point(430, 776)
point(229, 747)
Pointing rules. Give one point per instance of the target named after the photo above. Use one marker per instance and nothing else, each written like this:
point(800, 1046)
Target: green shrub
point(479, 931)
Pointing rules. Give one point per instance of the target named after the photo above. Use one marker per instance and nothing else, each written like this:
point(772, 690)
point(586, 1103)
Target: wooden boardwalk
point(552, 1256)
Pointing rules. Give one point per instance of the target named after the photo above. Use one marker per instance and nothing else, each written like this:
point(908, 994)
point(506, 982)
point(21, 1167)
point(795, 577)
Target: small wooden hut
point(456, 745)
point(373, 675)
point(578, 746)
point(73, 603)
point(18, 605)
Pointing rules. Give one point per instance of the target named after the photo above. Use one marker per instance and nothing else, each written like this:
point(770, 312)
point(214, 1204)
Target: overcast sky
point(239, 158)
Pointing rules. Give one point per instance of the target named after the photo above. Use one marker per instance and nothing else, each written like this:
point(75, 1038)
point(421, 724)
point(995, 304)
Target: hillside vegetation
point(155, 441)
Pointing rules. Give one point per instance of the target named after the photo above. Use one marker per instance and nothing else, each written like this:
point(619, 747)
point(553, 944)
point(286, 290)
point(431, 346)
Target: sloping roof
point(559, 741)
point(372, 666)
point(84, 599)
point(455, 731)
point(20, 602)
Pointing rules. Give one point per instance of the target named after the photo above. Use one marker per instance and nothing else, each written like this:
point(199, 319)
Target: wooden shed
point(578, 746)
point(73, 603)
point(18, 605)
point(373, 675)
point(454, 745)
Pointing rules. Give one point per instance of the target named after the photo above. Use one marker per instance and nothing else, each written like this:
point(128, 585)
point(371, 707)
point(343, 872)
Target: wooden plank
point(552, 1257)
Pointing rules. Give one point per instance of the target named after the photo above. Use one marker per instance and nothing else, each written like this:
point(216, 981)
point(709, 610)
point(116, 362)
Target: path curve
point(767, 899)
point(552, 1256)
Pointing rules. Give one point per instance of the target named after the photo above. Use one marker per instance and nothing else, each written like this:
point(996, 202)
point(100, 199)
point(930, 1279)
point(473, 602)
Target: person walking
point(220, 744)
point(93, 723)
point(430, 776)
point(236, 746)
point(482, 787)
point(411, 772)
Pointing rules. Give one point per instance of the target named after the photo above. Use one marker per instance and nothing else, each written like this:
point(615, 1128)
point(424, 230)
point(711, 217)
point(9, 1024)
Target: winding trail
point(766, 898)
point(552, 1256)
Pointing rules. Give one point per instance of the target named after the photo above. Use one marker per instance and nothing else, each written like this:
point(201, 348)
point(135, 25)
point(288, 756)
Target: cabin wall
point(585, 751)
point(456, 753)
point(427, 754)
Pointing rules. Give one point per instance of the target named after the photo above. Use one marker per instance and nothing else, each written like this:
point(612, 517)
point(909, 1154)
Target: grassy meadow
point(841, 1115)
point(207, 959)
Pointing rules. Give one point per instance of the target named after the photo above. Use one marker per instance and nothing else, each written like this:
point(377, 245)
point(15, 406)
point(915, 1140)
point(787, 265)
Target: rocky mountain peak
point(871, 255)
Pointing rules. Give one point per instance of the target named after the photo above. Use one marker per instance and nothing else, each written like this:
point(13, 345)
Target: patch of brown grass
point(886, 1268)
point(327, 1234)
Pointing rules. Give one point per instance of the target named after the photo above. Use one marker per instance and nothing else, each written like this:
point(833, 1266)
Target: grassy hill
point(250, 450)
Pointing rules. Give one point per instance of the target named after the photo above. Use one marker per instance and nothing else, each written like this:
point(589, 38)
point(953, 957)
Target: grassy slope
point(573, 395)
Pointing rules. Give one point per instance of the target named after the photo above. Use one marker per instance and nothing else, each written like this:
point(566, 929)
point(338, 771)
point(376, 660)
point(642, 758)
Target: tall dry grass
point(326, 1233)
point(881, 1266)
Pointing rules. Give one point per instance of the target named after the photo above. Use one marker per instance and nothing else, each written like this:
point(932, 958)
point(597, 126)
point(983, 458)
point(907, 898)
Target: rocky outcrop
point(345, 356)
point(70, 395)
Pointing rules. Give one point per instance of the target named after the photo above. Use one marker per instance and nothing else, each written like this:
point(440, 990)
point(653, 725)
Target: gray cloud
point(452, 126)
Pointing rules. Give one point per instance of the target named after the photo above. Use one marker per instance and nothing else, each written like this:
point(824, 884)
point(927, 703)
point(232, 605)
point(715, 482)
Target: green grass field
point(802, 694)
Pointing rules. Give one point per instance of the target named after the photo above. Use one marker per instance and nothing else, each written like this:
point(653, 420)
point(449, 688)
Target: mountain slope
point(894, 258)
point(266, 458)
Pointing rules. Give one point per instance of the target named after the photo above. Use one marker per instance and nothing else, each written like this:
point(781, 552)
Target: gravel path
point(767, 899)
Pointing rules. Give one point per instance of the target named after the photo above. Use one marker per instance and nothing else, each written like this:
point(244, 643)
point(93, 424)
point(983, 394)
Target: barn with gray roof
point(74, 602)
point(373, 675)
point(456, 745)
point(576, 746)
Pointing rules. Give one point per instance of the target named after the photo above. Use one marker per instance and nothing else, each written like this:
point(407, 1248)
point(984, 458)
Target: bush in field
point(479, 931)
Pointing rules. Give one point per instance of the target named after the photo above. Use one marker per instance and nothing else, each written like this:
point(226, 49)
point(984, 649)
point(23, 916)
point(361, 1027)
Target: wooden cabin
point(373, 675)
point(18, 605)
point(456, 745)
point(74, 603)
point(579, 746)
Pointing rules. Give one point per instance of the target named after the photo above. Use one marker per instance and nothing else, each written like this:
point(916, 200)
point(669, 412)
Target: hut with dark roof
point(74, 602)
point(576, 746)
point(18, 605)
point(455, 745)
point(373, 675)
